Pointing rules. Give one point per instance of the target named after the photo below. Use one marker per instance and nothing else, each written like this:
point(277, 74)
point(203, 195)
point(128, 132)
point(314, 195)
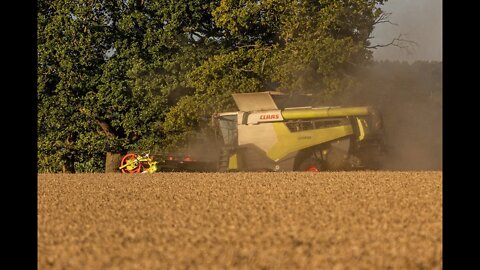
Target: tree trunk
point(112, 162)
point(68, 168)
point(112, 159)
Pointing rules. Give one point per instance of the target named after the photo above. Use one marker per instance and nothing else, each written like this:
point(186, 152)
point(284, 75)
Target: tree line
point(121, 75)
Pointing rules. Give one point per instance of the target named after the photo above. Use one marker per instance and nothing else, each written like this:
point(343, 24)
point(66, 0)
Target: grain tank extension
point(273, 131)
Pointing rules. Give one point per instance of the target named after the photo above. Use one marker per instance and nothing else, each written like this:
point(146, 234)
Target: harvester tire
point(310, 164)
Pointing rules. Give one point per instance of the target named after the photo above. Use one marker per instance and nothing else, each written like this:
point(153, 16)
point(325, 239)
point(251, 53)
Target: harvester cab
point(273, 131)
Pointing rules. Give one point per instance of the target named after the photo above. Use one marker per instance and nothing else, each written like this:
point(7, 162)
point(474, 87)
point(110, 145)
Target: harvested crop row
point(331, 220)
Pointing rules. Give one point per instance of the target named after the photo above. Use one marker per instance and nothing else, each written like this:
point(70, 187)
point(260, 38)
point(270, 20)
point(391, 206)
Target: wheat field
point(327, 220)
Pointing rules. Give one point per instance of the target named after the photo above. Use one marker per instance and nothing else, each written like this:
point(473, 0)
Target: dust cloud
point(203, 145)
point(409, 97)
point(414, 136)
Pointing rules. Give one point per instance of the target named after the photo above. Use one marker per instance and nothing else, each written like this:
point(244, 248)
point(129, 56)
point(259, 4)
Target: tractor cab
point(227, 124)
point(227, 139)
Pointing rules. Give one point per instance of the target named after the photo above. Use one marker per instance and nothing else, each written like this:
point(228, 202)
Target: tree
point(124, 75)
point(67, 67)
point(108, 70)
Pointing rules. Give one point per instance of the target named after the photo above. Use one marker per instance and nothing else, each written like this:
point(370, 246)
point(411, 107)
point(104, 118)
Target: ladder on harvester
point(223, 159)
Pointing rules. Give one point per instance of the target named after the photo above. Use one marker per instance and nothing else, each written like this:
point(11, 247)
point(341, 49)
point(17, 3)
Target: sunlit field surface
point(327, 220)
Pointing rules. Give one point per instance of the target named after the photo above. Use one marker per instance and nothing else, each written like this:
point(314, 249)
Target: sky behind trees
point(417, 20)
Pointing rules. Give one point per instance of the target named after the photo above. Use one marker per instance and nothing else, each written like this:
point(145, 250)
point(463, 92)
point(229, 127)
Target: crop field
point(327, 220)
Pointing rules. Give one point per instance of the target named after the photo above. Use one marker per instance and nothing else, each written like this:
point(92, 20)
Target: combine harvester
point(273, 131)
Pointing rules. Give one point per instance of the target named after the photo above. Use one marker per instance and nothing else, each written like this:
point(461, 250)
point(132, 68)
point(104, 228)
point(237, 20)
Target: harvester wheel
point(310, 164)
point(127, 158)
point(312, 168)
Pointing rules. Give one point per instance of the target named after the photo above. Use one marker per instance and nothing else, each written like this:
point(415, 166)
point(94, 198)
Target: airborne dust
point(410, 94)
point(410, 99)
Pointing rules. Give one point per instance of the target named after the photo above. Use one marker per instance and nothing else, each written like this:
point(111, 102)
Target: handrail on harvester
point(324, 112)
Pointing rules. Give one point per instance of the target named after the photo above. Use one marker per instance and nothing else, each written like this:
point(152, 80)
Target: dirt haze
point(409, 97)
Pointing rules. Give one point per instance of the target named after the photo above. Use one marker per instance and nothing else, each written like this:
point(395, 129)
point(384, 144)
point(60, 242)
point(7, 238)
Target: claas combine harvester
point(273, 131)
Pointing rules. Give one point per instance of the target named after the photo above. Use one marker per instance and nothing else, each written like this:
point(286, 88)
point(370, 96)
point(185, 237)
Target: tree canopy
point(137, 74)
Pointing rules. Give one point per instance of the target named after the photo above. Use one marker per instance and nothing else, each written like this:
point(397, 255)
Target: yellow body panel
point(288, 142)
point(362, 124)
point(323, 112)
point(232, 162)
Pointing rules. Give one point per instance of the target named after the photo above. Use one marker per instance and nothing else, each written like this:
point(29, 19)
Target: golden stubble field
point(328, 220)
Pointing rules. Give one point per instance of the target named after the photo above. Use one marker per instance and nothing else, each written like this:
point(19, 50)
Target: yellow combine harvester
point(273, 131)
